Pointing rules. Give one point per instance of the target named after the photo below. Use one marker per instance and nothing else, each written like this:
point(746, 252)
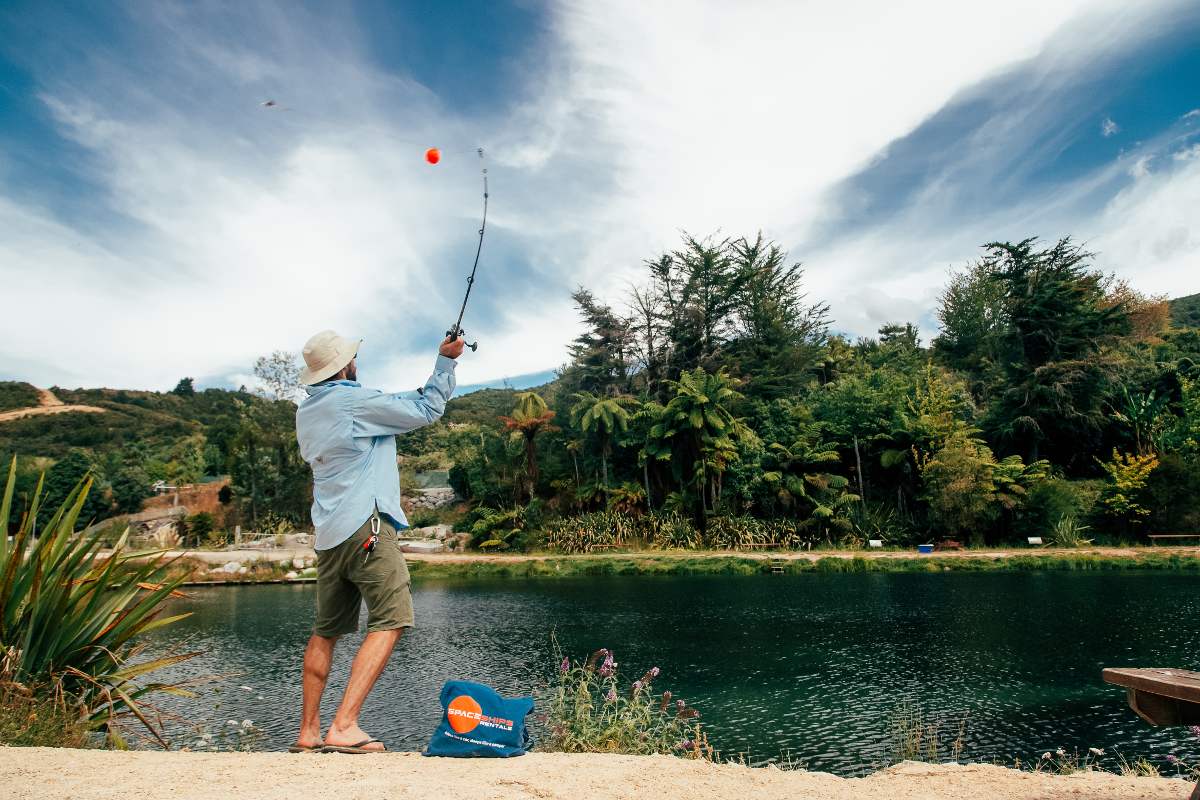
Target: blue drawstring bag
point(478, 723)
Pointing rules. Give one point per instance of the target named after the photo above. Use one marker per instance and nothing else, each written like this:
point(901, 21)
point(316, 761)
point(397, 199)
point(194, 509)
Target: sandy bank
point(43, 773)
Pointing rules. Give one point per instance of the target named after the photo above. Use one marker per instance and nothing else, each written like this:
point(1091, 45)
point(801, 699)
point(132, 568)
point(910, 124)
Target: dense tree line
point(716, 403)
point(1055, 398)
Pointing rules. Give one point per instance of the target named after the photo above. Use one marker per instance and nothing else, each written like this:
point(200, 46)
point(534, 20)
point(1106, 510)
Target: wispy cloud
point(221, 230)
point(1109, 128)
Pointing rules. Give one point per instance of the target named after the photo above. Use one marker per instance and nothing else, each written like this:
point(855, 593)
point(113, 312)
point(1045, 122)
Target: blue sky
point(156, 220)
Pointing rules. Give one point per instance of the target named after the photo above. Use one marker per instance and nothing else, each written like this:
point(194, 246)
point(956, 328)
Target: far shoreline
point(442, 566)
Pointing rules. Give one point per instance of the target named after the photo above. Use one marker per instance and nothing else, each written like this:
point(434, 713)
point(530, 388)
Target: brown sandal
point(355, 749)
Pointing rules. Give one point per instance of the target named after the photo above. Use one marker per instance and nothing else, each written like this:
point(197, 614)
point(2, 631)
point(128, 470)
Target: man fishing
point(347, 434)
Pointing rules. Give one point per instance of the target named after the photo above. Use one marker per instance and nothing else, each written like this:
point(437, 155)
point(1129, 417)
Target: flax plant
point(71, 617)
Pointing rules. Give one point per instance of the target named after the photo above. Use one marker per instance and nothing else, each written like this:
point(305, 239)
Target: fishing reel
point(457, 333)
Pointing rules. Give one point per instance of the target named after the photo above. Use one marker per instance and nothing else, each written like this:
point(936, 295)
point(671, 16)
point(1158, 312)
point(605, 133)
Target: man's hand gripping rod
point(456, 329)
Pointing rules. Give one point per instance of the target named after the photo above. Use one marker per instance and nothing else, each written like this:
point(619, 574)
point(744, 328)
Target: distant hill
point(158, 420)
point(1185, 311)
point(155, 420)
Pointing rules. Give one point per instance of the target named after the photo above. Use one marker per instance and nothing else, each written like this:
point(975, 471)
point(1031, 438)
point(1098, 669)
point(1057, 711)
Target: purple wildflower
point(654, 672)
point(1172, 758)
point(611, 696)
point(609, 666)
point(1195, 729)
point(686, 744)
point(680, 704)
point(565, 666)
point(591, 662)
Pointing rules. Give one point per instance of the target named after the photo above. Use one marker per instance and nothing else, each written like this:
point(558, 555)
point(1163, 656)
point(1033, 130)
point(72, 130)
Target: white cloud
point(1148, 232)
point(1141, 167)
point(1187, 154)
point(1109, 128)
point(237, 230)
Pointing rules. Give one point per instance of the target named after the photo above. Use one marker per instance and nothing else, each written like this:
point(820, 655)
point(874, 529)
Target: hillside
point(1185, 311)
point(151, 419)
point(14, 395)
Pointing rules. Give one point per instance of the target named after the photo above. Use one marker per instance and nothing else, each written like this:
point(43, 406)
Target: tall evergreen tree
point(600, 355)
point(1058, 374)
point(779, 339)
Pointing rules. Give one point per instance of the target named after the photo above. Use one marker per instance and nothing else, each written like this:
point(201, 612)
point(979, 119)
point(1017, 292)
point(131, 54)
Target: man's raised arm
point(384, 414)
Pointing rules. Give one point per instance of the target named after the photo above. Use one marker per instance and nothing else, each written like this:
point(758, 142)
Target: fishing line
point(433, 156)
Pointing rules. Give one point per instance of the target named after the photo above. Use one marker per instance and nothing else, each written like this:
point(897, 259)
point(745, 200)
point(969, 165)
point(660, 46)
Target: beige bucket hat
point(325, 354)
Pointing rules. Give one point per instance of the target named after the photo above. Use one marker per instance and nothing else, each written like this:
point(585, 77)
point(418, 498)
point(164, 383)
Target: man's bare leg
point(317, 658)
point(368, 665)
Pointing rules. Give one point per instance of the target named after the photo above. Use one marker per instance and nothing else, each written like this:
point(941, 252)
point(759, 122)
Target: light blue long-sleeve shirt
point(347, 434)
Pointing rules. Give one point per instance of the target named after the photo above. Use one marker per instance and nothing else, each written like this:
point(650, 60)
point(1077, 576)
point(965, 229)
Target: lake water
point(814, 665)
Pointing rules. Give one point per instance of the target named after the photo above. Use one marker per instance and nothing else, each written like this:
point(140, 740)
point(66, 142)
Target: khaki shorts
point(345, 580)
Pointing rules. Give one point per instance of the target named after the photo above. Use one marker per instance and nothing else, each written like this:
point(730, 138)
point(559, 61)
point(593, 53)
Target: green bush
point(1068, 532)
point(597, 528)
point(671, 531)
point(493, 529)
point(1052, 499)
point(883, 522)
point(592, 709)
point(199, 528)
point(1171, 492)
point(15, 395)
point(423, 518)
point(69, 621)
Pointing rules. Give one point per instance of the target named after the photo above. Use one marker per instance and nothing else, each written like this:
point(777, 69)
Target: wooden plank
point(1179, 684)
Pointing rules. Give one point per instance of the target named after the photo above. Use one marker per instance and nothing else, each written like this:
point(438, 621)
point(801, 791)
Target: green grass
point(39, 718)
point(575, 566)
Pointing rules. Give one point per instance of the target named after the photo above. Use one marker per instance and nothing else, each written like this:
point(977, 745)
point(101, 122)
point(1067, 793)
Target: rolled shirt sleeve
point(386, 414)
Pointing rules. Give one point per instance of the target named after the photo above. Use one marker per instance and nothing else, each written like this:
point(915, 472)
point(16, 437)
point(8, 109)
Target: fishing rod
point(434, 155)
point(456, 329)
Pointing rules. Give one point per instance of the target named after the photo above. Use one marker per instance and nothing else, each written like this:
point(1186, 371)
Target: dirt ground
point(47, 404)
point(50, 774)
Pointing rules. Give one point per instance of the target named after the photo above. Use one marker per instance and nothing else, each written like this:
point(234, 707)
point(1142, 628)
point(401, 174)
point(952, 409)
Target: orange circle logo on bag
point(464, 713)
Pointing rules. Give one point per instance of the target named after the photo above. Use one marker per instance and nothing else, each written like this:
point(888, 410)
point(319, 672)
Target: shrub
point(592, 709)
point(586, 531)
point(1171, 493)
point(1122, 496)
point(882, 521)
point(69, 621)
point(1067, 532)
point(423, 518)
point(42, 716)
point(1055, 498)
point(495, 530)
point(672, 531)
point(199, 528)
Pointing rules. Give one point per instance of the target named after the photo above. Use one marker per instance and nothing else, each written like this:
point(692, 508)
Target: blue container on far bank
point(924, 548)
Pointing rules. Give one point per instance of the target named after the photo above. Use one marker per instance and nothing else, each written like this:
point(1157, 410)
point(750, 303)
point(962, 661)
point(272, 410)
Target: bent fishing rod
point(456, 329)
